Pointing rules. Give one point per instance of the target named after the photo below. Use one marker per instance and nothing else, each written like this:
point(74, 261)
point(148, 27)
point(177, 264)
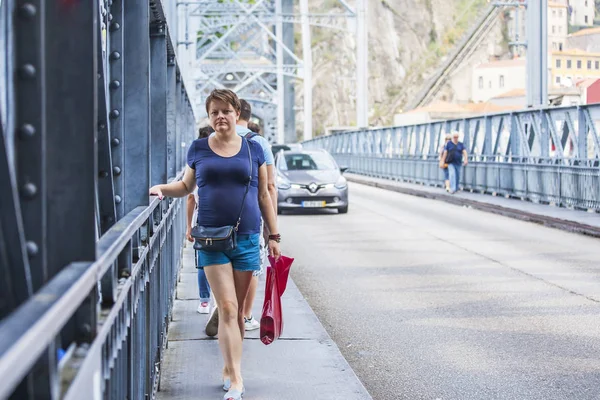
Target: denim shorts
point(245, 257)
point(446, 174)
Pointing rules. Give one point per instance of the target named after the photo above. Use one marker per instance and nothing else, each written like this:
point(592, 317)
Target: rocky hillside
point(407, 41)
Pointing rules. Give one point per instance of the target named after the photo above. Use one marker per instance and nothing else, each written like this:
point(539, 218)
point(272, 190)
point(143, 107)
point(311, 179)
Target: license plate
point(313, 204)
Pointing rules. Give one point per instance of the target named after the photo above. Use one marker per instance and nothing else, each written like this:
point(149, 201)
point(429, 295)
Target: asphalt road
point(428, 300)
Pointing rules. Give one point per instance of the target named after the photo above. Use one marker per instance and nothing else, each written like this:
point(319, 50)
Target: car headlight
point(341, 183)
point(283, 185)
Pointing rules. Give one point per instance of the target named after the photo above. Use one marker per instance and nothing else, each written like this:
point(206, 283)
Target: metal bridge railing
point(549, 155)
point(93, 111)
point(118, 349)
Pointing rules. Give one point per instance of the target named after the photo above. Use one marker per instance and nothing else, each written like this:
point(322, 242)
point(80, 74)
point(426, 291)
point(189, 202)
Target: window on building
point(501, 83)
point(554, 28)
point(578, 64)
point(560, 13)
point(586, 3)
point(558, 63)
point(558, 80)
point(553, 45)
point(554, 13)
point(597, 64)
point(490, 84)
point(589, 65)
point(481, 82)
point(568, 63)
point(560, 47)
point(586, 19)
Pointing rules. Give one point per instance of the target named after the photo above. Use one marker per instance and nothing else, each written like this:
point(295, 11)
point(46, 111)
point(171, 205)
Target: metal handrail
point(29, 330)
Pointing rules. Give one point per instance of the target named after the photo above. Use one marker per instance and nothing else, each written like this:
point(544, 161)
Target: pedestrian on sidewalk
point(254, 127)
point(455, 154)
point(192, 217)
point(243, 129)
point(220, 167)
point(443, 164)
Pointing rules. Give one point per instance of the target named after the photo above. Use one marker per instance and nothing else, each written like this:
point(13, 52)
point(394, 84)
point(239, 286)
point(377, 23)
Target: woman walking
point(220, 166)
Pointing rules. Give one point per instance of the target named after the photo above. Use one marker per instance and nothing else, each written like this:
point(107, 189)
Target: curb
point(551, 222)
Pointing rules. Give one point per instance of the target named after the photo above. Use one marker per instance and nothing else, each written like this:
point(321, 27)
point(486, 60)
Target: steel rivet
point(27, 10)
point(115, 55)
point(103, 174)
point(114, 114)
point(115, 84)
point(29, 190)
point(26, 131)
point(118, 199)
point(115, 26)
point(27, 71)
point(115, 142)
point(101, 126)
point(110, 17)
point(116, 171)
point(32, 249)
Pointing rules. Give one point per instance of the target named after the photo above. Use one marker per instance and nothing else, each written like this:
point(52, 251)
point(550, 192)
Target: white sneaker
point(251, 324)
point(203, 308)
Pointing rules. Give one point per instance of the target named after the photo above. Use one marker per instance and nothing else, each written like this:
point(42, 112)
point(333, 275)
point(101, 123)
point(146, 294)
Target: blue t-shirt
point(455, 152)
point(221, 184)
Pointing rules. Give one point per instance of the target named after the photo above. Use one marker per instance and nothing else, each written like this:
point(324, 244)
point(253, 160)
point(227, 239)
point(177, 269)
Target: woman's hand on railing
point(156, 191)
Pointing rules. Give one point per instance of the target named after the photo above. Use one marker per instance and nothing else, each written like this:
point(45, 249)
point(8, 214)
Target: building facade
point(582, 12)
point(558, 25)
point(498, 77)
point(571, 66)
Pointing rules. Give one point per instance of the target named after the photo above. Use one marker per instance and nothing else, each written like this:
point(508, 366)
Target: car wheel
point(343, 210)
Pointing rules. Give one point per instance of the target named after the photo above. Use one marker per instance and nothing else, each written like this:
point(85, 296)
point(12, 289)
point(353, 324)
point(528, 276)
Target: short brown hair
point(205, 132)
point(253, 127)
point(226, 96)
point(246, 110)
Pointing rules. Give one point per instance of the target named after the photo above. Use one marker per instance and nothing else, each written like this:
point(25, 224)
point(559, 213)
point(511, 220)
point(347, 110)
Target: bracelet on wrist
point(276, 238)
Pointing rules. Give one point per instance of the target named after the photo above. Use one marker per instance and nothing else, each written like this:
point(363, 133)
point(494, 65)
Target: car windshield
point(304, 161)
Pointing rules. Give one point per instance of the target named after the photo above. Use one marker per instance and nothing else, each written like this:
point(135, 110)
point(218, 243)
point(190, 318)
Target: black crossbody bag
point(222, 238)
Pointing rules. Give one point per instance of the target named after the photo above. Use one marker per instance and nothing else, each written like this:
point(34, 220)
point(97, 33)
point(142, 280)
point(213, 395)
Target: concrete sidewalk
point(556, 217)
point(303, 364)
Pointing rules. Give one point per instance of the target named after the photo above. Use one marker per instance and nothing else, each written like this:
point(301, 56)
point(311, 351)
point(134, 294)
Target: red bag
point(271, 322)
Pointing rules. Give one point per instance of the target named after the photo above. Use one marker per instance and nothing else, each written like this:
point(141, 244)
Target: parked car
point(309, 179)
point(276, 148)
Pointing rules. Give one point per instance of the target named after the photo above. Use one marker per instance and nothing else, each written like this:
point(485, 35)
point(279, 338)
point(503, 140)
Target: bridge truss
point(248, 46)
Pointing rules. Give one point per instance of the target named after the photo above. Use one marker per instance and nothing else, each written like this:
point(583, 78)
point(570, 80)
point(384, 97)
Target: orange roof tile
point(438, 106)
point(585, 83)
point(556, 5)
point(575, 52)
point(512, 93)
point(584, 32)
point(489, 107)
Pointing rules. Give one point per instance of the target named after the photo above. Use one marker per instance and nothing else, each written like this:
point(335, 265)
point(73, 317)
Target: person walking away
point(455, 153)
point(231, 177)
point(443, 164)
point(192, 216)
point(254, 127)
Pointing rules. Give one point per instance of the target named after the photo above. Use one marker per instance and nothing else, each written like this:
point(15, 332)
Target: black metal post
point(158, 69)
point(136, 117)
